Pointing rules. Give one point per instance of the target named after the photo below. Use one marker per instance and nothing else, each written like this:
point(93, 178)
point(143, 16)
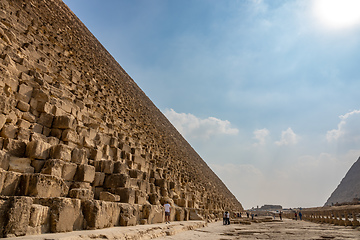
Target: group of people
point(226, 218)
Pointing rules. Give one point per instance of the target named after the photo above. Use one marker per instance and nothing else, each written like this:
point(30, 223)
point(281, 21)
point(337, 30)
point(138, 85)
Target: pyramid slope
point(349, 187)
point(77, 131)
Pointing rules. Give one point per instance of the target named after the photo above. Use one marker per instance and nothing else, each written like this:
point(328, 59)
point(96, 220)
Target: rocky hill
point(81, 145)
point(349, 187)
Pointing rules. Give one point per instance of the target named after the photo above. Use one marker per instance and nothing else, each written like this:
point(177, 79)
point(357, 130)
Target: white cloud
point(288, 137)
point(261, 135)
point(191, 126)
point(348, 129)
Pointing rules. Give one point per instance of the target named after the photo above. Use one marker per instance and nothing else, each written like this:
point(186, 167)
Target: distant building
point(267, 207)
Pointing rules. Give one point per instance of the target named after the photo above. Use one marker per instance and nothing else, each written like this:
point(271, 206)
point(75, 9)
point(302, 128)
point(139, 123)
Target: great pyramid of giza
point(81, 145)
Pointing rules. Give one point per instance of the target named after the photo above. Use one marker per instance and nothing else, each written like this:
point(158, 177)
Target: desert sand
point(286, 229)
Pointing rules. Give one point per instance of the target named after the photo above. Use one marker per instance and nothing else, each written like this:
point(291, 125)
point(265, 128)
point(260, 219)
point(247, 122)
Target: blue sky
point(265, 91)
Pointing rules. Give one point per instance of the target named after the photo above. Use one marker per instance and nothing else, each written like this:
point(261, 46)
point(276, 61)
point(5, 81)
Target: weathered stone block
point(65, 213)
point(26, 91)
point(21, 165)
point(81, 193)
point(194, 215)
point(70, 135)
point(38, 149)
point(37, 165)
point(106, 196)
point(128, 215)
point(64, 122)
point(154, 199)
point(28, 117)
point(100, 214)
point(99, 179)
point(161, 182)
point(46, 119)
point(69, 171)
point(9, 182)
point(4, 213)
point(120, 167)
point(127, 195)
point(134, 173)
point(41, 185)
point(39, 221)
point(105, 166)
point(79, 156)
point(8, 131)
point(4, 160)
point(140, 197)
point(23, 106)
point(2, 120)
point(153, 213)
point(23, 134)
point(85, 173)
point(95, 154)
point(117, 180)
point(53, 167)
point(61, 151)
point(15, 148)
point(18, 216)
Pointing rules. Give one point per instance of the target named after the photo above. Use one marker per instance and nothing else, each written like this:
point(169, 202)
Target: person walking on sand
point(296, 216)
point(300, 215)
point(228, 218)
point(280, 215)
point(167, 207)
point(224, 218)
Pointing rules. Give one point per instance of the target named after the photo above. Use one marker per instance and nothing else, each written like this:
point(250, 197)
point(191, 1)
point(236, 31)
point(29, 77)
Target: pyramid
point(349, 187)
point(81, 145)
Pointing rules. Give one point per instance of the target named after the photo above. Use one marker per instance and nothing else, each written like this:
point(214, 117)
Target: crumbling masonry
point(81, 146)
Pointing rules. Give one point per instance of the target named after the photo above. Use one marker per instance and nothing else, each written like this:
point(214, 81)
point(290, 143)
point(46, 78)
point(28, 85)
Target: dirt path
point(286, 229)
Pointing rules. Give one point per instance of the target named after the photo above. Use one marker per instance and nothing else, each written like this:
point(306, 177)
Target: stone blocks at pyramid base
point(32, 215)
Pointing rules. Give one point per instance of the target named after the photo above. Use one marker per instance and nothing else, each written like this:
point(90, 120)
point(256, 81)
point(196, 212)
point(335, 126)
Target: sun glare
point(338, 13)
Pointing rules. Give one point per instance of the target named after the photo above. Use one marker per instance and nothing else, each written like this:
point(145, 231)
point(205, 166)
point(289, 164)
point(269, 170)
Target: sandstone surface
point(81, 145)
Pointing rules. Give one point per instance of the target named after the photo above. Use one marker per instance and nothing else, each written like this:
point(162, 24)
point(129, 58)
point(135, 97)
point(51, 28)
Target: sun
point(338, 13)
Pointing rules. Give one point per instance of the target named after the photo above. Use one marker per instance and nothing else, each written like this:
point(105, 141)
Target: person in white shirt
point(167, 207)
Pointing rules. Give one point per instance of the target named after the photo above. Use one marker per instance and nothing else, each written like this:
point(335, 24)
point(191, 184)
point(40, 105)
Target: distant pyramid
point(349, 187)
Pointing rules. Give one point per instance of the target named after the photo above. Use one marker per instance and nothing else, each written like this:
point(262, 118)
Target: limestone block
point(100, 214)
point(85, 173)
point(61, 151)
point(8, 131)
point(154, 198)
point(79, 156)
point(44, 107)
point(46, 119)
point(64, 122)
point(46, 131)
point(4, 160)
point(81, 193)
point(69, 171)
point(65, 213)
point(41, 185)
point(4, 212)
point(29, 117)
point(21, 123)
point(140, 197)
point(70, 135)
point(128, 215)
point(81, 185)
point(127, 195)
point(38, 128)
point(134, 173)
point(99, 179)
point(18, 216)
point(23, 106)
point(2, 120)
point(161, 182)
point(10, 183)
point(37, 165)
point(57, 133)
point(23, 134)
point(114, 142)
point(117, 180)
point(179, 214)
point(39, 221)
point(106, 196)
point(105, 166)
point(38, 149)
point(26, 91)
point(39, 95)
point(21, 165)
point(194, 215)
point(53, 167)
point(95, 154)
point(120, 167)
point(153, 213)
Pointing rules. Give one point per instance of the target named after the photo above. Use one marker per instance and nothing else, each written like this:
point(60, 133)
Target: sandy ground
point(286, 229)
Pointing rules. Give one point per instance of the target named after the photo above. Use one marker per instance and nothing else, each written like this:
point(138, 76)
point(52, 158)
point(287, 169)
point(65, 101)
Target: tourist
point(227, 218)
point(167, 207)
point(280, 215)
point(296, 216)
point(247, 214)
point(224, 218)
point(300, 215)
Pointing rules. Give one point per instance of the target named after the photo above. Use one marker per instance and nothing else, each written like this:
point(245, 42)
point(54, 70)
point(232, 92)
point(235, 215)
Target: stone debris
point(81, 146)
